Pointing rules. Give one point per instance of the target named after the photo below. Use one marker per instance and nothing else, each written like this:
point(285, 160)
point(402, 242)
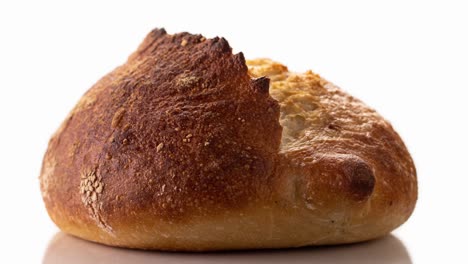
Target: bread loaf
point(188, 147)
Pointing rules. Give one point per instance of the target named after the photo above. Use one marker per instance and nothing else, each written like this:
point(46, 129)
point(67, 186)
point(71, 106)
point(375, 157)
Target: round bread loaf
point(188, 147)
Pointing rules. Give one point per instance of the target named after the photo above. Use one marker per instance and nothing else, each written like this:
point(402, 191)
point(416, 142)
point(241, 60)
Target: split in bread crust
point(189, 147)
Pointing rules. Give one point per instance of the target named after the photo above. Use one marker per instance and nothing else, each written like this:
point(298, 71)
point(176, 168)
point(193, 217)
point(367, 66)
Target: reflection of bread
point(181, 149)
point(70, 250)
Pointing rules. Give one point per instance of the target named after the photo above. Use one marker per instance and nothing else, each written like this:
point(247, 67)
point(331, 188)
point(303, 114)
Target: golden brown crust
point(180, 149)
point(348, 159)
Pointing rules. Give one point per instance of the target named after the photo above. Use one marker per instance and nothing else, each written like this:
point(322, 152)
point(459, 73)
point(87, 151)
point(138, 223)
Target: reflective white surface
point(67, 249)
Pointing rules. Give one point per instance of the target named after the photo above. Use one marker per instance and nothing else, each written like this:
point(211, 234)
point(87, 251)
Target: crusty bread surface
point(188, 147)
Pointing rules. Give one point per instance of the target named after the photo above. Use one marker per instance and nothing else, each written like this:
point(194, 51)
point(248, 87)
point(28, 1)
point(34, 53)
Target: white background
point(407, 59)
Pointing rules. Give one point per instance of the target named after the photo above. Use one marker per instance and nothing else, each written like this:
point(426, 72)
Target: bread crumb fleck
point(186, 80)
point(189, 136)
point(117, 118)
point(91, 189)
point(99, 189)
point(202, 39)
point(183, 43)
point(159, 147)
point(207, 143)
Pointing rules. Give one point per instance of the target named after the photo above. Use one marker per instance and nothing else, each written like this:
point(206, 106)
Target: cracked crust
point(188, 147)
